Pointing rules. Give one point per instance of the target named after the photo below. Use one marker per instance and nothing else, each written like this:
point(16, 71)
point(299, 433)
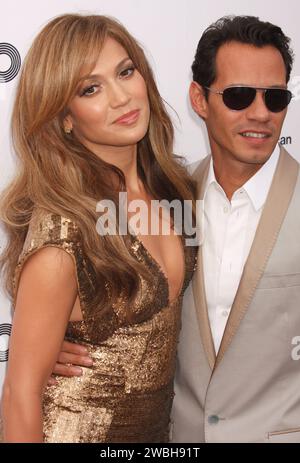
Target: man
point(236, 377)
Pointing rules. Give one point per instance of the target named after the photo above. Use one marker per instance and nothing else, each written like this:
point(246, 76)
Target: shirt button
point(225, 209)
point(213, 419)
point(225, 313)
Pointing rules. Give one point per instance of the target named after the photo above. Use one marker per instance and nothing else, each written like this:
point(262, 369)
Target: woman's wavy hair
point(57, 173)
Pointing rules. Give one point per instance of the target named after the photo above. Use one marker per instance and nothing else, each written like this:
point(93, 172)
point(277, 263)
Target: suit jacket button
point(213, 419)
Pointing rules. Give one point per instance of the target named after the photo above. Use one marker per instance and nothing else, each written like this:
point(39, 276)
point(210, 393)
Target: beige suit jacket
point(250, 391)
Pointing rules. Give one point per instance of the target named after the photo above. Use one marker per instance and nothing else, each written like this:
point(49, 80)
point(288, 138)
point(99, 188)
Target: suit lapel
point(273, 214)
point(200, 176)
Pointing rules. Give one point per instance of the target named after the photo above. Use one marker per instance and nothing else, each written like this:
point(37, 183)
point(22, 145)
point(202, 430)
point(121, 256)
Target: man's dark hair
point(243, 29)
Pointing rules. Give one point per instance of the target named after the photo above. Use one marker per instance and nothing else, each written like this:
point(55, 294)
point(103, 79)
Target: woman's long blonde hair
point(59, 174)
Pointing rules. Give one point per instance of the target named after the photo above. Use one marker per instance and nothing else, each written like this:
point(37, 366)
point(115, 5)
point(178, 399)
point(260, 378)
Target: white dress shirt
point(229, 229)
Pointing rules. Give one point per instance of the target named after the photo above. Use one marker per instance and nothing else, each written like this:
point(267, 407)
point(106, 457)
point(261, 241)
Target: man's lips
point(255, 133)
point(128, 118)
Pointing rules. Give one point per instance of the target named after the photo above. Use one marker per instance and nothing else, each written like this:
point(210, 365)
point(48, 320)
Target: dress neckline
point(159, 267)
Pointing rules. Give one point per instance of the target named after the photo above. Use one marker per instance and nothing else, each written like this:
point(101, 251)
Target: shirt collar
point(257, 187)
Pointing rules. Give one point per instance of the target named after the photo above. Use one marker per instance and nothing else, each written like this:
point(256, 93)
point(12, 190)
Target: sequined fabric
point(127, 394)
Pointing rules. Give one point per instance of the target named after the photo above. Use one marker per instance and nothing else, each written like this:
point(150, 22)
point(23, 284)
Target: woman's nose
point(118, 96)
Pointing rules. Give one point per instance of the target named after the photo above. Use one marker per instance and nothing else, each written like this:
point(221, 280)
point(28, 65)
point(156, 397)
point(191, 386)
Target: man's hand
point(70, 355)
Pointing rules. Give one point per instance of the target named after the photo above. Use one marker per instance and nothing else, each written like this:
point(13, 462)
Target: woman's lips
point(128, 118)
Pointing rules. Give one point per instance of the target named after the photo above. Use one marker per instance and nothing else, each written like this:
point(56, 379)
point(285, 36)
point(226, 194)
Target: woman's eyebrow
point(93, 76)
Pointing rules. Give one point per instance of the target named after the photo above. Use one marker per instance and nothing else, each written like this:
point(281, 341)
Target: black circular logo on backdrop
point(15, 58)
point(5, 329)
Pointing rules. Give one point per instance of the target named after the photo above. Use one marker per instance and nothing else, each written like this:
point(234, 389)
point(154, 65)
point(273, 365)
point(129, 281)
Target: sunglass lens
point(277, 99)
point(238, 98)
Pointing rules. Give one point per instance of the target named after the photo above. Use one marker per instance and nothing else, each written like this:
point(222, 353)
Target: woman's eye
point(127, 72)
point(89, 90)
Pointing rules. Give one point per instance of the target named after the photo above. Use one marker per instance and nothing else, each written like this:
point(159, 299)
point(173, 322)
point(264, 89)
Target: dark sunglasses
point(240, 97)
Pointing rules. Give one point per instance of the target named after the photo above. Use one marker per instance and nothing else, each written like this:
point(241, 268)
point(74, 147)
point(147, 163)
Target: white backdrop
point(169, 30)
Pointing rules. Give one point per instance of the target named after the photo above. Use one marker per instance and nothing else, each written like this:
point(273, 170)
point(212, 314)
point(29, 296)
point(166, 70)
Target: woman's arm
point(46, 295)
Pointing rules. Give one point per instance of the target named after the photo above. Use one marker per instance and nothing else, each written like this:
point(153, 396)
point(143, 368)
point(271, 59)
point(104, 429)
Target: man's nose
point(258, 109)
point(118, 96)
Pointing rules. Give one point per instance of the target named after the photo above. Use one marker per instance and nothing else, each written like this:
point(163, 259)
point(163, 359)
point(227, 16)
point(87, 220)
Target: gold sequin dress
point(126, 396)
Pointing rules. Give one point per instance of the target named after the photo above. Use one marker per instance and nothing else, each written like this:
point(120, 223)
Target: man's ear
point(198, 100)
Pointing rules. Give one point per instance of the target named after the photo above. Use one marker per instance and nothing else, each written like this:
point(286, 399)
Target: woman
point(89, 123)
